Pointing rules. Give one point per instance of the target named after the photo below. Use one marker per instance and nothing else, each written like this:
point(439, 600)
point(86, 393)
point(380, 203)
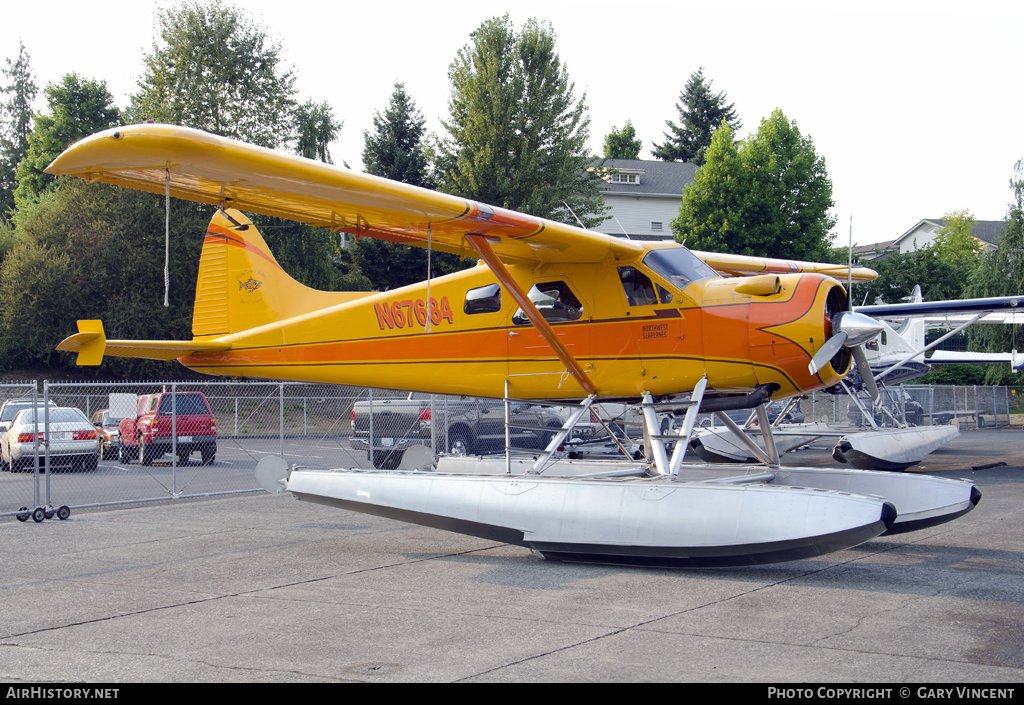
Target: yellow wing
point(743, 266)
point(198, 166)
point(216, 170)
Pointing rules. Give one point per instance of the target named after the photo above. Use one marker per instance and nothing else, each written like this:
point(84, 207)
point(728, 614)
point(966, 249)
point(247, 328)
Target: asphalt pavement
point(256, 588)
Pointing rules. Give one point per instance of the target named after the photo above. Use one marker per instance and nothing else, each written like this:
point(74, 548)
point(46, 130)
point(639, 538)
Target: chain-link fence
point(923, 405)
point(82, 445)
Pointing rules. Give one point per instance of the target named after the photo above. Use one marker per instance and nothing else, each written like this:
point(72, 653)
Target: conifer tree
point(701, 112)
point(396, 149)
point(516, 133)
point(18, 90)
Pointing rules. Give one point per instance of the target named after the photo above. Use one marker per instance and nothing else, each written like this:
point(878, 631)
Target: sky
point(916, 107)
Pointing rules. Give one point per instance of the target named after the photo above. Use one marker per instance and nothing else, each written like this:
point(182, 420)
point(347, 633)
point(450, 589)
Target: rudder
point(241, 285)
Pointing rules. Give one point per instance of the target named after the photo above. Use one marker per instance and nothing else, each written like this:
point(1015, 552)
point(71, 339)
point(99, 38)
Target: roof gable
point(656, 176)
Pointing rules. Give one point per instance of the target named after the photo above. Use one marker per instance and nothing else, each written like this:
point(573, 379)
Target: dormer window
point(624, 178)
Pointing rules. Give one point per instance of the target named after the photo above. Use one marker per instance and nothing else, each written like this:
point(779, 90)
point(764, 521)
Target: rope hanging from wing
point(167, 236)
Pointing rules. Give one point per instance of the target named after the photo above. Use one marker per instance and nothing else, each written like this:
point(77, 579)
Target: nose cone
point(858, 327)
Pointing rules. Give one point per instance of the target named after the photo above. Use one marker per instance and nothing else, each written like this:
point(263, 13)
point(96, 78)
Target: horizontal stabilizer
point(91, 345)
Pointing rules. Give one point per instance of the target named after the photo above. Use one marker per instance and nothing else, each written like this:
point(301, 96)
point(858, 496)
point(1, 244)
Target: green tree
point(396, 148)
point(77, 108)
point(700, 113)
point(19, 90)
point(311, 255)
point(516, 134)
point(396, 151)
point(86, 251)
point(939, 277)
point(1001, 273)
point(316, 128)
point(216, 70)
point(769, 195)
point(622, 144)
point(954, 240)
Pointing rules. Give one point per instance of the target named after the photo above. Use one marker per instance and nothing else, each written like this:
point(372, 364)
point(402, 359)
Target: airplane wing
point(951, 357)
point(947, 309)
point(743, 265)
point(198, 166)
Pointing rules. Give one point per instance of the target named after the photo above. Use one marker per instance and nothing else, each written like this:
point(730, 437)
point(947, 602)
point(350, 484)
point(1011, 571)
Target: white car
point(72, 440)
point(11, 408)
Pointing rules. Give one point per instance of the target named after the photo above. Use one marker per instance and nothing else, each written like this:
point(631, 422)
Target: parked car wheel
point(147, 454)
point(460, 443)
point(209, 453)
point(387, 460)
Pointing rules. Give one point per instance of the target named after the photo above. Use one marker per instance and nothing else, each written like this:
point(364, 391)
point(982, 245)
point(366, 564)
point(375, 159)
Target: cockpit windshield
point(678, 265)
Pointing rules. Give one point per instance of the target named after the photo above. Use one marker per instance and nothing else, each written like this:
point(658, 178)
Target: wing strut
point(483, 248)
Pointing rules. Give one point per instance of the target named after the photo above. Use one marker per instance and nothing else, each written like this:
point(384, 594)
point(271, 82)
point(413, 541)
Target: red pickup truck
point(151, 433)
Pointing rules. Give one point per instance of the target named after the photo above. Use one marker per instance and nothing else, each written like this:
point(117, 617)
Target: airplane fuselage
point(630, 327)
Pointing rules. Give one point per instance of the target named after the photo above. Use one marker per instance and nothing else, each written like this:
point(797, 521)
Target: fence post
point(281, 400)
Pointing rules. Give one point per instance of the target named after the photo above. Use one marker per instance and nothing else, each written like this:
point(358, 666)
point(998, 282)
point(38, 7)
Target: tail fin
point(241, 285)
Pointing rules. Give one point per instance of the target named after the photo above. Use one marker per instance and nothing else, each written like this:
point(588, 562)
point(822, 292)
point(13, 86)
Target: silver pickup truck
point(455, 425)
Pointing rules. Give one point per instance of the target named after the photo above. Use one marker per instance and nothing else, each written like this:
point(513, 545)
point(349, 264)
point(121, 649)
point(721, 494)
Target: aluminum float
point(635, 521)
point(892, 449)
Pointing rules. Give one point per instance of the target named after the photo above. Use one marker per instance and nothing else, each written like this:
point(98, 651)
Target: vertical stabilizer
point(241, 285)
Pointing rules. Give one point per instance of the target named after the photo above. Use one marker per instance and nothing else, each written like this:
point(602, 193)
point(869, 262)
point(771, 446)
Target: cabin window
point(664, 294)
point(484, 299)
point(555, 301)
point(638, 287)
point(678, 265)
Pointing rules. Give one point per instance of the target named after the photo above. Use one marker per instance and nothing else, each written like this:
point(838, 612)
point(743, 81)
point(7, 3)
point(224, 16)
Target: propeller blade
point(827, 352)
point(861, 360)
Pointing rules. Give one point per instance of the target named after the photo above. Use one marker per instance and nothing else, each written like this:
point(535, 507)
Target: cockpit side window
point(555, 301)
point(637, 286)
point(484, 299)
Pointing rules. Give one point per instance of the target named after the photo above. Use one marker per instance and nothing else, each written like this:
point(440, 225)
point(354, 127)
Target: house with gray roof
point(923, 235)
point(643, 196)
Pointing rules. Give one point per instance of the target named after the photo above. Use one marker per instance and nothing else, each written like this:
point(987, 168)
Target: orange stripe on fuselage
point(773, 329)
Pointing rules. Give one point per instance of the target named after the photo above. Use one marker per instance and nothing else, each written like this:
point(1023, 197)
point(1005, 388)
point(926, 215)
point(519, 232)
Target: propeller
point(850, 330)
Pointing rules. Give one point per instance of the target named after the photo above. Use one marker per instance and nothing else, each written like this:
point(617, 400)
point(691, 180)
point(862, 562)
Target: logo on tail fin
point(249, 283)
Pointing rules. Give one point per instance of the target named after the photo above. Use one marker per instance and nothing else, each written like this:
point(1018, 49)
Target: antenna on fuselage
point(574, 215)
point(623, 229)
point(849, 267)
